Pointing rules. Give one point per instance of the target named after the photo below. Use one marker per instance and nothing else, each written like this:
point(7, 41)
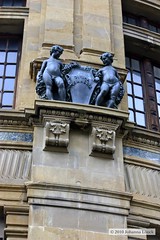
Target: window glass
point(1, 70)
point(2, 44)
point(128, 76)
point(138, 91)
point(7, 99)
point(129, 88)
point(12, 57)
point(159, 111)
point(139, 104)
point(157, 87)
point(137, 77)
point(157, 83)
point(18, 3)
point(152, 28)
point(135, 92)
point(10, 3)
point(2, 57)
point(127, 62)
point(6, 3)
point(1, 82)
point(12, 45)
point(135, 64)
point(140, 119)
point(124, 18)
point(9, 84)
point(131, 20)
point(131, 116)
point(130, 102)
point(158, 97)
point(156, 72)
point(10, 70)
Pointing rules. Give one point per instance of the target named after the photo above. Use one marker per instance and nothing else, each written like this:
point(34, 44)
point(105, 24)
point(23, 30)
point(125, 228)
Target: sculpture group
point(81, 84)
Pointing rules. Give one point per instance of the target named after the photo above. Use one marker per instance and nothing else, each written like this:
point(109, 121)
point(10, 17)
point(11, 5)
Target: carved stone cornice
point(77, 113)
point(21, 12)
point(57, 117)
point(90, 199)
point(143, 138)
point(16, 130)
point(11, 118)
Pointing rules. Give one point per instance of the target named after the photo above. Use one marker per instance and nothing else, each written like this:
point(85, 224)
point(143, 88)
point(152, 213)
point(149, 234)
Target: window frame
point(19, 39)
point(149, 91)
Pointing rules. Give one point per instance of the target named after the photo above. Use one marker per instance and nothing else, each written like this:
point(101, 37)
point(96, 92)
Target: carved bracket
point(56, 136)
point(103, 141)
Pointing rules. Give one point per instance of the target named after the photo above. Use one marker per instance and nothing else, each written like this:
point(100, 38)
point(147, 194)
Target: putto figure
point(80, 84)
point(111, 89)
point(51, 75)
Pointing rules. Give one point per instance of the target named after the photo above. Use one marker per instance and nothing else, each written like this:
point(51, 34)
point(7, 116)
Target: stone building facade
point(71, 170)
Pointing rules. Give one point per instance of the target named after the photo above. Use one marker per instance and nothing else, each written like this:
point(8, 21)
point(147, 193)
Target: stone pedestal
point(77, 186)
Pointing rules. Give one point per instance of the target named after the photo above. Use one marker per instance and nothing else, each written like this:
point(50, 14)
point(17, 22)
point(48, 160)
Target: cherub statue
point(111, 89)
point(51, 74)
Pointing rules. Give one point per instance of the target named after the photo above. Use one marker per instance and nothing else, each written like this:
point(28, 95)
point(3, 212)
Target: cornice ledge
point(12, 188)
point(9, 118)
point(150, 3)
point(151, 38)
point(142, 138)
point(14, 9)
point(13, 209)
point(141, 162)
point(79, 189)
point(75, 110)
point(139, 222)
point(145, 204)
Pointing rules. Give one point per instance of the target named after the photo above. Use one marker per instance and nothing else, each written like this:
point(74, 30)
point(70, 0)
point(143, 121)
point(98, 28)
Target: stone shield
point(81, 84)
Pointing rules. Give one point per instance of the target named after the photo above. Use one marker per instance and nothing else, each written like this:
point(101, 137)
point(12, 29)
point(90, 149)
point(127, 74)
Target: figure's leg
point(48, 81)
point(102, 95)
point(61, 88)
point(114, 93)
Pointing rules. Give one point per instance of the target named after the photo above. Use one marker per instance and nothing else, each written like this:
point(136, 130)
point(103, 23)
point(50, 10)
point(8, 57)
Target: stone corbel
point(56, 136)
point(102, 141)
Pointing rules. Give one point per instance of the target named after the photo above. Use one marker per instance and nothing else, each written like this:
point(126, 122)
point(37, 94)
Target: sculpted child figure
point(51, 72)
point(111, 84)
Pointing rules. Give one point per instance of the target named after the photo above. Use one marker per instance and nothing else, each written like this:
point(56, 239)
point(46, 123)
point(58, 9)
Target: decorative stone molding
point(56, 136)
point(76, 197)
point(143, 139)
point(81, 113)
point(103, 141)
point(16, 130)
point(14, 118)
point(12, 193)
point(16, 222)
point(142, 180)
point(15, 166)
